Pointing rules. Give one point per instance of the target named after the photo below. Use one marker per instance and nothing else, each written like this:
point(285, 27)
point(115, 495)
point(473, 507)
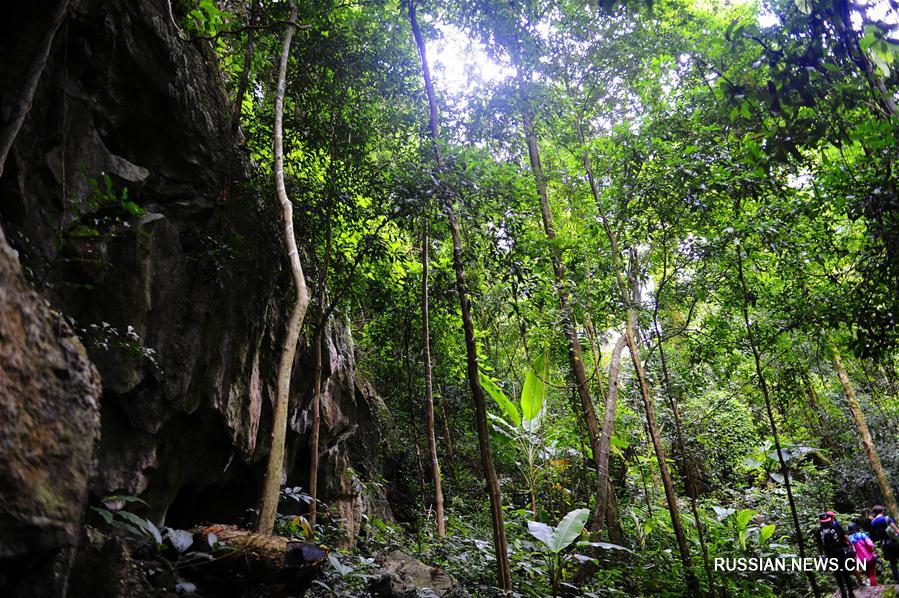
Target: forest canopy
point(626, 275)
point(653, 248)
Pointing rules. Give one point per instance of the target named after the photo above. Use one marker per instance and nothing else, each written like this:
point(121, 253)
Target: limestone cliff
point(124, 197)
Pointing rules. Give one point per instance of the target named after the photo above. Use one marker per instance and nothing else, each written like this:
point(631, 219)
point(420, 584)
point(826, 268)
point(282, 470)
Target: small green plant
point(104, 194)
point(739, 522)
point(343, 578)
point(296, 526)
point(106, 337)
point(87, 220)
point(113, 513)
point(557, 539)
point(523, 427)
point(205, 19)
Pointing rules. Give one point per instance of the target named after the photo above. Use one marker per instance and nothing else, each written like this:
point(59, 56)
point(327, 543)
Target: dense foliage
point(741, 203)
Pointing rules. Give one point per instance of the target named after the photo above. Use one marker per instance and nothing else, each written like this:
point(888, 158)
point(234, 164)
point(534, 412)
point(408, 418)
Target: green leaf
point(569, 529)
point(81, 230)
point(501, 399)
point(804, 6)
point(341, 569)
point(744, 110)
point(542, 532)
point(534, 390)
point(132, 208)
point(742, 517)
point(722, 513)
point(882, 59)
point(766, 532)
point(872, 34)
point(106, 515)
point(143, 524)
point(504, 427)
point(619, 442)
point(605, 546)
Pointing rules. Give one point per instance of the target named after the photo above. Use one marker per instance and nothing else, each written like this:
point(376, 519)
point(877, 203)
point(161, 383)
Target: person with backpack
point(833, 543)
point(864, 551)
point(885, 534)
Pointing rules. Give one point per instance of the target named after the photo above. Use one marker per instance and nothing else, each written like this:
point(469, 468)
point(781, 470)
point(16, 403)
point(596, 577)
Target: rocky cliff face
point(123, 196)
point(49, 421)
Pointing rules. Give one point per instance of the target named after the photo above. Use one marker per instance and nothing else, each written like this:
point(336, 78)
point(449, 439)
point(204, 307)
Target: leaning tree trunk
point(429, 388)
point(496, 510)
point(868, 442)
point(649, 408)
point(605, 438)
point(655, 437)
point(32, 77)
point(504, 575)
point(763, 385)
point(692, 490)
point(575, 354)
point(271, 486)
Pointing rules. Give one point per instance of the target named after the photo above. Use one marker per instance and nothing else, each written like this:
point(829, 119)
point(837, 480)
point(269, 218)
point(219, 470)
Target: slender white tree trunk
point(272, 484)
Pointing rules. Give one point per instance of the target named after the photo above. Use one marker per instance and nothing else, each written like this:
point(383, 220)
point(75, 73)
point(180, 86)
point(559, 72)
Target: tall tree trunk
point(499, 530)
point(613, 521)
point(29, 86)
point(316, 427)
point(686, 468)
point(760, 374)
point(504, 575)
point(316, 408)
point(575, 354)
point(651, 426)
point(272, 484)
point(413, 418)
point(653, 429)
point(814, 407)
point(429, 389)
point(865, 434)
point(605, 437)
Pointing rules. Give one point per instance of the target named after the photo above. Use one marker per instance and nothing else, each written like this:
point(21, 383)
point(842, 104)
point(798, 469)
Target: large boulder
point(49, 420)
point(404, 576)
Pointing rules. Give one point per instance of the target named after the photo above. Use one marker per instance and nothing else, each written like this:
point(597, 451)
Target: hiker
point(885, 534)
point(864, 551)
point(834, 544)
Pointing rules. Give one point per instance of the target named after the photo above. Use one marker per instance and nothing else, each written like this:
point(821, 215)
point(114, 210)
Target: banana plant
point(740, 521)
point(557, 539)
point(522, 423)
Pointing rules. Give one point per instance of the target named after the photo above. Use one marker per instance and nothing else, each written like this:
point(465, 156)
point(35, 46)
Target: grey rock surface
point(406, 577)
point(49, 421)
